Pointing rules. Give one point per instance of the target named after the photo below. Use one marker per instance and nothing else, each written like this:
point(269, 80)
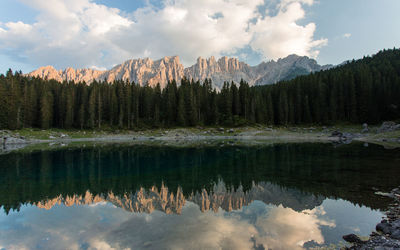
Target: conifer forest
point(365, 90)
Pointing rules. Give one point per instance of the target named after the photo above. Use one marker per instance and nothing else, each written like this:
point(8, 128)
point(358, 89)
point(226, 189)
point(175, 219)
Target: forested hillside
point(366, 90)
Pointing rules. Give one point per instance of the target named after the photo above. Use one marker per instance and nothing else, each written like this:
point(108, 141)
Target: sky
point(103, 33)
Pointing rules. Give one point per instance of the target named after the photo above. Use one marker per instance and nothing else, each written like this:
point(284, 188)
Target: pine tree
point(157, 105)
point(283, 107)
point(307, 112)
point(214, 114)
point(69, 117)
point(269, 109)
point(92, 108)
point(170, 103)
point(46, 109)
point(113, 107)
point(225, 106)
point(3, 105)
point(181, 120)
point(244, 99)
point(99, 108)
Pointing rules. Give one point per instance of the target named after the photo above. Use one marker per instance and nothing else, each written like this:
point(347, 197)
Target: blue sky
point(102, 33)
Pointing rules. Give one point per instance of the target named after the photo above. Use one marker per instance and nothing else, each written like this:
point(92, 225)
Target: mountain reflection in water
point(104, 225)
point(169, 202)
point(283, 196)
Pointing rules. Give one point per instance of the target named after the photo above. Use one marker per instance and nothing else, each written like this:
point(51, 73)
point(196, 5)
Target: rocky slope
point(225, 69)
point(144, 71)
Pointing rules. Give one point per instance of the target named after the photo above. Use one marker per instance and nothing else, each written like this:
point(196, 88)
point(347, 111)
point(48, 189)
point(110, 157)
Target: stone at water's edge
point(384, 227)
point(396, 234)
point(388, 127)
point(352, 238)
point(388, 236)
point(337, 134)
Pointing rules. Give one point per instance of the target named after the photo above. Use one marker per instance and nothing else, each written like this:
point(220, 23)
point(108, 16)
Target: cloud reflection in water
point(102, 223)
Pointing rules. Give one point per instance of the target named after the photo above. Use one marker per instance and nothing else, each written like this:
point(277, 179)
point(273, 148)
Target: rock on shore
point(387, 235)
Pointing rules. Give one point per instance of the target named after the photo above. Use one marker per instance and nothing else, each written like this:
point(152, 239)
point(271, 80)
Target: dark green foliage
point(46, 109)
point(367, 90)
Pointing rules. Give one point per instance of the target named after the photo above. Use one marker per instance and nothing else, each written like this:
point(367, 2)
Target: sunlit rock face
point(224, 70)
point(146, 71)
point(220, 196)
point(69, 74)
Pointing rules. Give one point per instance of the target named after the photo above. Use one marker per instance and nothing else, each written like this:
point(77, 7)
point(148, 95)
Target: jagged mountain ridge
point(147, 71)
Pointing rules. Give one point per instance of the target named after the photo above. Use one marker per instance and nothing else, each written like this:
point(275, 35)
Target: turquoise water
point(283, 196)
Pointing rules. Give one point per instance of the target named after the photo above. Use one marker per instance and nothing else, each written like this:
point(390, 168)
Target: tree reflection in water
point(281, 196)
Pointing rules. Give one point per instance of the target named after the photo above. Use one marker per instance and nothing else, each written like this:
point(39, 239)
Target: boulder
point(13, 140)
point(396, 234)
point(352, 238)
point(396, 224)
point(384, 227)
point(336, 134)
point(388, 127)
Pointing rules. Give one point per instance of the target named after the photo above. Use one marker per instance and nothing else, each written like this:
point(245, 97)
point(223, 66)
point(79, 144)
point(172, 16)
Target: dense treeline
point(367, 90)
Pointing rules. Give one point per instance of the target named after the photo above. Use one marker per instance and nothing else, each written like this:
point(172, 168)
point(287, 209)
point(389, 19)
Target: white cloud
point(279, 36)
point(81, 33)
point(347, 35)
point(285, 3)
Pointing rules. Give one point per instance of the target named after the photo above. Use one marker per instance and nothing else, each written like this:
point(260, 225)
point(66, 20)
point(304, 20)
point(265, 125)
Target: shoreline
point(246, 135)
point(387, 232)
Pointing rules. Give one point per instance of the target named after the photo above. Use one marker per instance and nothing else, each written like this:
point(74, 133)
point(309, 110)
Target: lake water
point(282, 196)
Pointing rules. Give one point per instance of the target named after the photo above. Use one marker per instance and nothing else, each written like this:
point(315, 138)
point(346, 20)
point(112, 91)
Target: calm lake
point(220, 196)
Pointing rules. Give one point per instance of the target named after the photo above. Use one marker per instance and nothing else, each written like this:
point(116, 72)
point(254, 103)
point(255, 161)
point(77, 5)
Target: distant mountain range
point(146, 70)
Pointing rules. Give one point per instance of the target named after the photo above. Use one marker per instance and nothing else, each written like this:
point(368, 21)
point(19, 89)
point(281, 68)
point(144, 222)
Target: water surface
point(284, 196)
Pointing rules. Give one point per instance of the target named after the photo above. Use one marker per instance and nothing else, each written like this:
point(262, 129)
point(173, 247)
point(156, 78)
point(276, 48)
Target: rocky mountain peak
point(225, 69)
point(46, 72)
